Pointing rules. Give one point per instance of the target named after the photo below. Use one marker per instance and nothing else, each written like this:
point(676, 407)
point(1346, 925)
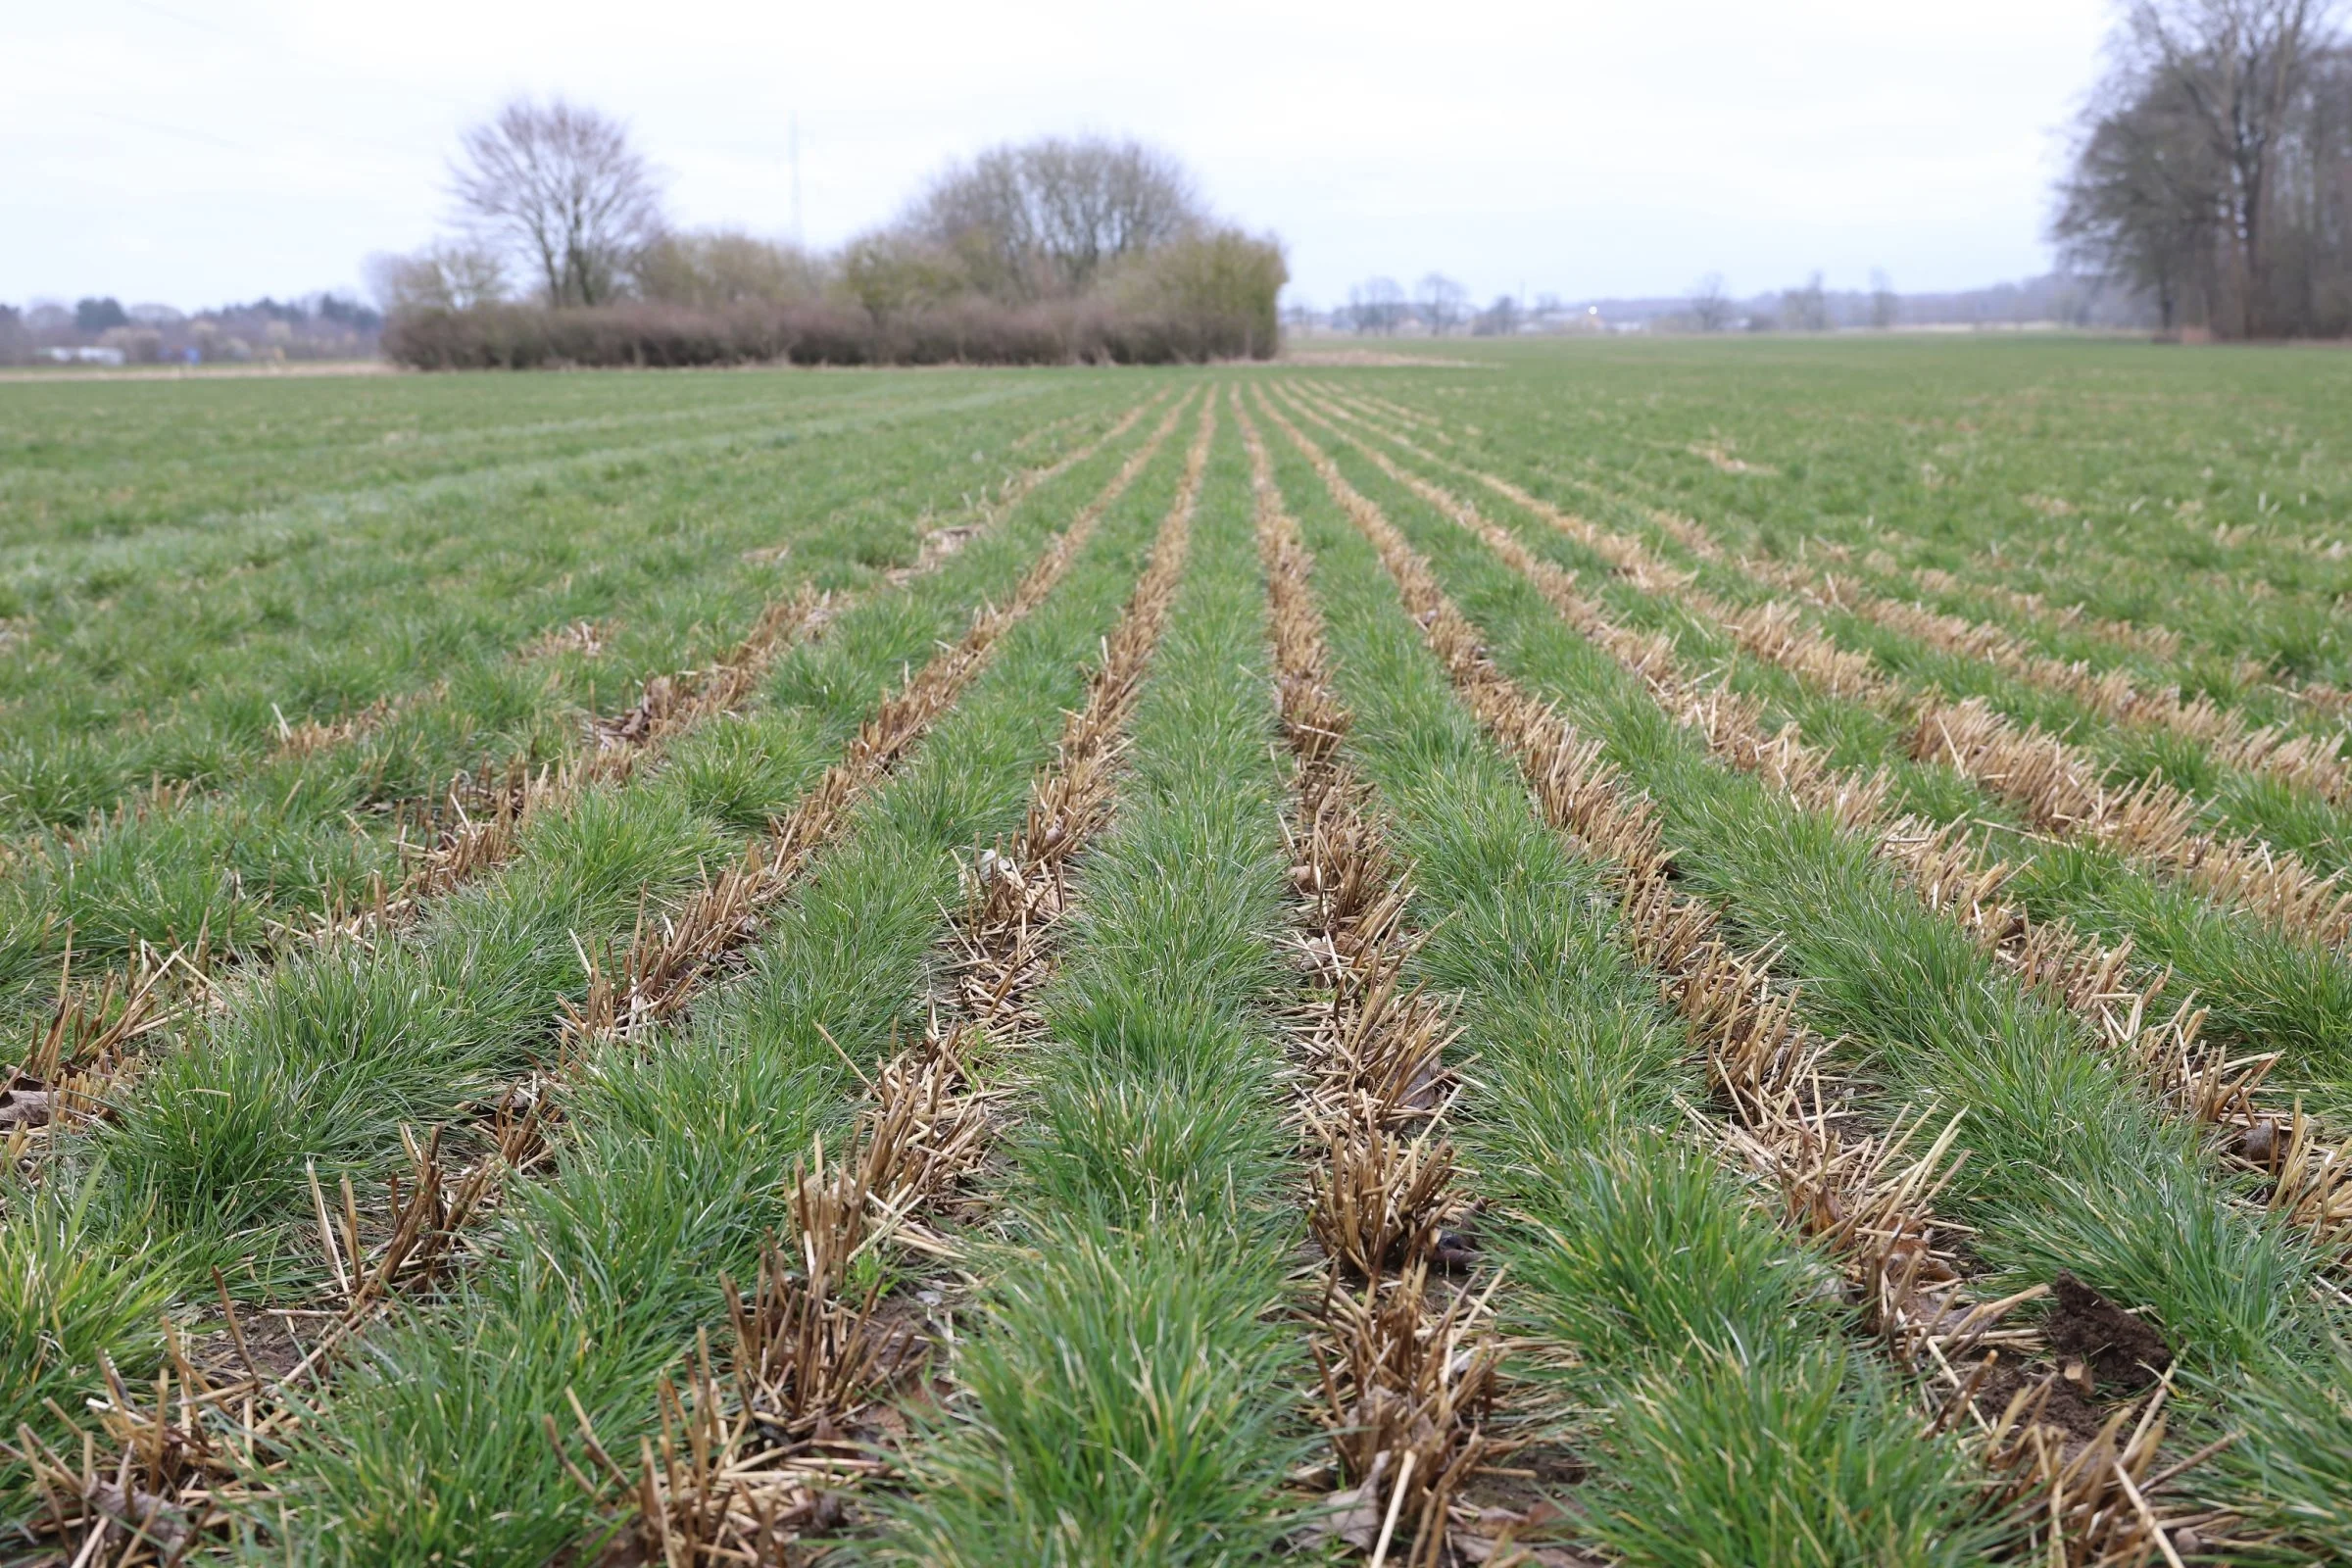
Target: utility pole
point(800, 235)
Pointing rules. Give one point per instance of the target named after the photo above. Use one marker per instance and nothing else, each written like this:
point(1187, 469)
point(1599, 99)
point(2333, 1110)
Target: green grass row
point(2073, 1165)
point(2266, 991)
point(110, 461)
point(1130, 1391)
point(2233, 799)
point(1981, 594)
point(281, 837)
point(1940, 453)
point(1974, 590)
point(176, 658)
point(1711, 1385)
point(674, 1154)
point(330, 1053)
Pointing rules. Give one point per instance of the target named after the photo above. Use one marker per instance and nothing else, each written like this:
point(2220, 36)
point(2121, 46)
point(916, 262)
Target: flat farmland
point(1684, 953)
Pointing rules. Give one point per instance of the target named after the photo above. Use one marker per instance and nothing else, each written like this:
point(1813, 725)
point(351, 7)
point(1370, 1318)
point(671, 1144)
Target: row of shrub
point(969, 331)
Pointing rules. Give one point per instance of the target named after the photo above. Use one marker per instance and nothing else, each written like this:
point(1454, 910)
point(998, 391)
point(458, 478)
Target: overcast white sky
point(197, 150)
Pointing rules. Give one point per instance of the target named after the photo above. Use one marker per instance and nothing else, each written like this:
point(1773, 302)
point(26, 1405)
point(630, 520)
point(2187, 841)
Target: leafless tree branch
point(562, 186)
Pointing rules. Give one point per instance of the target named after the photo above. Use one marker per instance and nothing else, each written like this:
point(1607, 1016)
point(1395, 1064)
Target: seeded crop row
point(1533, 961)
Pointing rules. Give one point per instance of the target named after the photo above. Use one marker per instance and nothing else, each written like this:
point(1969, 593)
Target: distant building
point(85, 355)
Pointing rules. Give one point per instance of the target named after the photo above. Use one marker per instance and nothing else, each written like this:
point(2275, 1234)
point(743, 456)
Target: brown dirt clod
point(2063, 1407)
point(2118, 1347)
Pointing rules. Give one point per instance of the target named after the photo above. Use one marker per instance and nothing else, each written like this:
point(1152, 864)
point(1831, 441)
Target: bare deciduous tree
point(562, 186)
point(1099, 202)
point(2237, 68)
point(1806, 309)
point(1441, 301)
point(2141, 204)
point(1045, 219)
point(445, 276)
point(1498, 320)
point(1711, 305)
point(1375, 304)
point(725, 266)
point(1885, 307)
point(2212, 170)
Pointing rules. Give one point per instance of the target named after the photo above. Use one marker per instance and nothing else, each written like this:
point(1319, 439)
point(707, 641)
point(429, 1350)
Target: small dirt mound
point(2118, 1347)
point(2062, 1405)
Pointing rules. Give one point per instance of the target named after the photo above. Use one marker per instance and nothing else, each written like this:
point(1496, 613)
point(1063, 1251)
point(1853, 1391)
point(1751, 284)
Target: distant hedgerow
point(1209, 313)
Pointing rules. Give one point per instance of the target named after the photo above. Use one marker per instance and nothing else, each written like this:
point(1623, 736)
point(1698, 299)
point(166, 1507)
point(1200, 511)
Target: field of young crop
point(1704, 953)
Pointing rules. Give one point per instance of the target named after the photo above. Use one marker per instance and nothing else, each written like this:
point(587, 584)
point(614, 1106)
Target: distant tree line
point(1059, 250)
point(1438, 306)
point(2212, 170)
point(1379, 306)
point(2055, 299)
point(316, 326)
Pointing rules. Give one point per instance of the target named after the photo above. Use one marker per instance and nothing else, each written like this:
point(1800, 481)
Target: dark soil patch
point(1526, 1478)
point(2118, 1347)
point(2065, 1408)
point(277, 1349)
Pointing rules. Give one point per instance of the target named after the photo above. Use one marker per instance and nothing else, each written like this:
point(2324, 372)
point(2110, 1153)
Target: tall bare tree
point(1498, 320)
point(445, 276)
point(2142, 202)
point(1047, 219)
point(1711, 305)
point(1806, 309)
point(562, 186)
point(716, 267)
point(1375, 304)
point(2236, 70)
point(1884, 305)
point(1099, 202)
point(1442, 302)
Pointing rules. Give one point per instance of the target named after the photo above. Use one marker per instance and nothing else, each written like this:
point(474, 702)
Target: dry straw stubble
point(2058, 789)
point(1408, 1359)
point(1867, 1198)
point(756, 1458)
point(424, 1225)
point(2118, 1001)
